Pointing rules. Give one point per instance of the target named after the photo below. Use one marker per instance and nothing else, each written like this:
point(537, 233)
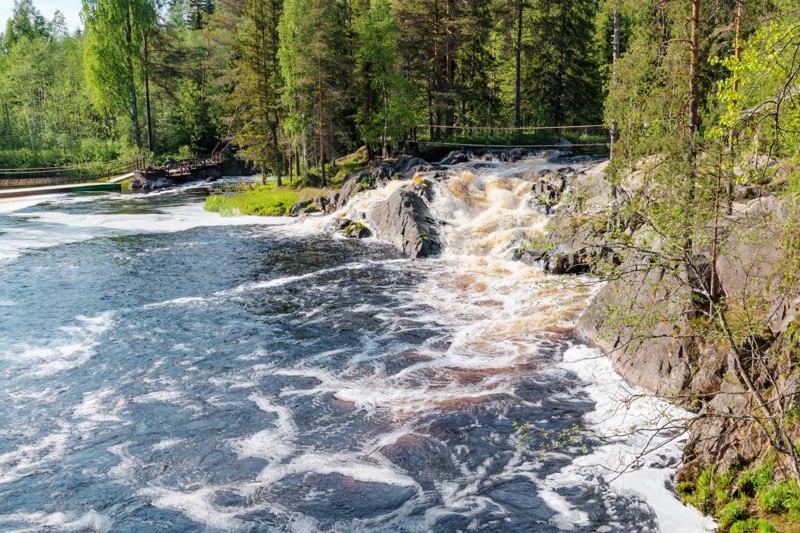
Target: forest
point(293, 80)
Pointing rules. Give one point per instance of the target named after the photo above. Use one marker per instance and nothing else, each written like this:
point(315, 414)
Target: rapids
point(166, 369)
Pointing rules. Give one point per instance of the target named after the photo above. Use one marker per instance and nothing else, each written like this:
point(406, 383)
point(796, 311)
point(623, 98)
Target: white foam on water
point(44, 229)
point(187, 301)
point(125, 471)
point(27, 458)
point(60, 521)
point(98, 407)
point(497, 312)
point(198, 506)
point(160, 396)
point(639, 458)
point(273, 444)
point(374, 469)
point(166, 444)
point(79, 348)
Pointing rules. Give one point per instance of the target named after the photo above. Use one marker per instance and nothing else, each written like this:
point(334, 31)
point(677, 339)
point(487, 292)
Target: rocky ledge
point(644, 317)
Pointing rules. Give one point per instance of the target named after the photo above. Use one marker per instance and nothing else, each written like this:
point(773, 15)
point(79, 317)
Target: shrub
point(732, 513)
point(753, 526)
point(780, 497)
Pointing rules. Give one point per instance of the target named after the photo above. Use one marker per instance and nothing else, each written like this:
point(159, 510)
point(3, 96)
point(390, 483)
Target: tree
point(26, 22)
point(384, 113)
point(116, 31)
point(257, 90)
point(561, 74)
point(316, 67)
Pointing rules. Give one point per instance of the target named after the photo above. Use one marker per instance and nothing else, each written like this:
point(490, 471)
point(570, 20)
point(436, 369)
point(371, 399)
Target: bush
point(732, 513)
point(753, 526)
point(756, 478)
point(780, 497)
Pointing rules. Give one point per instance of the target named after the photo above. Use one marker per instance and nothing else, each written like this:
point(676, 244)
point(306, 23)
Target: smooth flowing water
point(166, 369)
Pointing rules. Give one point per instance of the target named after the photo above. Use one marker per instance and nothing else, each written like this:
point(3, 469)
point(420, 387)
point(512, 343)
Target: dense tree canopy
point(297, 82)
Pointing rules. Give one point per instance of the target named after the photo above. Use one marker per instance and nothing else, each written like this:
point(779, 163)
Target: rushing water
point(165, 369)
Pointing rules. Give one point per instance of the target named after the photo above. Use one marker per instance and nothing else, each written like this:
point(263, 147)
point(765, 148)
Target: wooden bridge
point(584, 137)
point(183, 170)
point(89, 177)
point(63, 175)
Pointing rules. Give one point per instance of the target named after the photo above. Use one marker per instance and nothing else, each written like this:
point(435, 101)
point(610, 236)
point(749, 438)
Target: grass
point(261, 200)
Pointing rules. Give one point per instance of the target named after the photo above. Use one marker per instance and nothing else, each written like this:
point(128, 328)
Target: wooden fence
point(31, 177)
point(534, 137)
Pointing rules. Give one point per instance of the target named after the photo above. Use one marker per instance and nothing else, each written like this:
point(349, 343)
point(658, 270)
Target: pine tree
point(384, 112)
point(257, 85)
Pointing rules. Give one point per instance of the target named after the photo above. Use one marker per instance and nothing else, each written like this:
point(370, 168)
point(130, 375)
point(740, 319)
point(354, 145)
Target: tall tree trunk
point(737, 53)
point(694, 118)
point(449, 64)
point(137, 134)
point(321, 127)
point(437, 69)
point(518, 80)
point(694, 124)
point(150, 139)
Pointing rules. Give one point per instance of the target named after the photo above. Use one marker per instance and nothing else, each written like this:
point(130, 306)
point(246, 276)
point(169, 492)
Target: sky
point(70, 8)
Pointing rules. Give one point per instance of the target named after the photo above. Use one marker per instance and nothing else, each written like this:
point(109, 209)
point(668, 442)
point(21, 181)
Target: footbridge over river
point(91, 177)
point(434, 139)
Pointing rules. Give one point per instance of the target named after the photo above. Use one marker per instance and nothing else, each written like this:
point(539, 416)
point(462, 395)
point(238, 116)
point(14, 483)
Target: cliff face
point(645, 317)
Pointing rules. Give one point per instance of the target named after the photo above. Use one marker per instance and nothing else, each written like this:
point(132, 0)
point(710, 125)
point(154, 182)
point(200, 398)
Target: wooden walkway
point(22, 192)
point(591, 136)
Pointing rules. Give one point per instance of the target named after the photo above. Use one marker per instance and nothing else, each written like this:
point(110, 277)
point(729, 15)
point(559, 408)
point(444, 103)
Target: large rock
point(640, 320)
point(405, 168)
point(405, 221)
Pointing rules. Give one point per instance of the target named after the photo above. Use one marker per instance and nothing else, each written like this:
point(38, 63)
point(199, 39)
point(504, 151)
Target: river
point(167, 369)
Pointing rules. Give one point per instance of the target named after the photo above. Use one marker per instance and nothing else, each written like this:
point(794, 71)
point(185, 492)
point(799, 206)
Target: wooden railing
point(534, 137)
point(29, 177)
point(186, 166)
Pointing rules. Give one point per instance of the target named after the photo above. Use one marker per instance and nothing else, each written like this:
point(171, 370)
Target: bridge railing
point(534, 137)
point(28, 177)
point(187, 165)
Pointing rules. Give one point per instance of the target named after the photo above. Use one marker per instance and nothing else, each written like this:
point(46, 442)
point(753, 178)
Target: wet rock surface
point(405, 221)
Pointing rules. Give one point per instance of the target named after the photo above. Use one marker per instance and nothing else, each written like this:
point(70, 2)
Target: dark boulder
point(300, 207)
point(455, 158)
point(405, 221)
point(514, 155)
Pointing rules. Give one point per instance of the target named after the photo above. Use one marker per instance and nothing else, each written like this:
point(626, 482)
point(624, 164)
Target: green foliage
point(353, 228)
point(733, 512)
point(753, 525)
point(545, 440)
point(387, 115)
point(780, 497)
point(736, 498)
point(263, 200)
point(196, 126)
point(113, 60)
